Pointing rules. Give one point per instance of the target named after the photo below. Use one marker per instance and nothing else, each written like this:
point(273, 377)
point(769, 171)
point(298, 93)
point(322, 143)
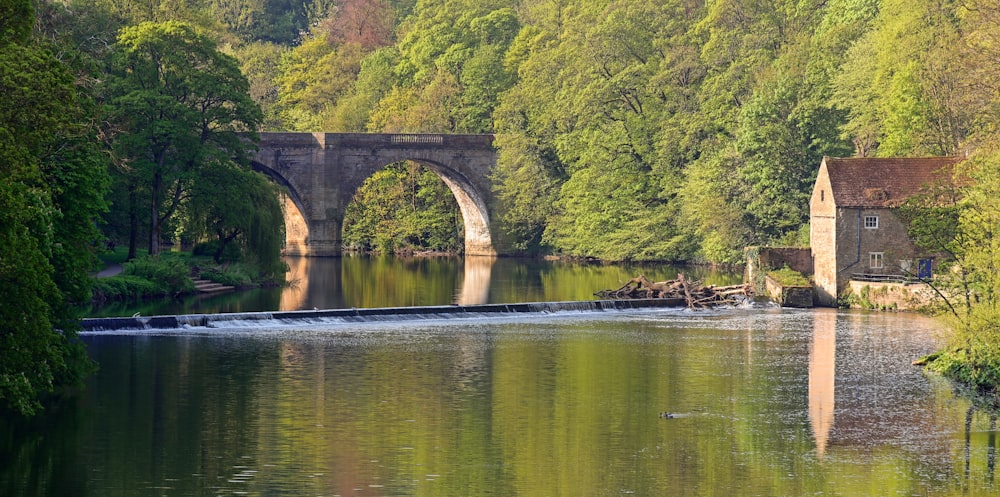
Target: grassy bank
point(172, 274)
point(973, 359)
point(972, 355)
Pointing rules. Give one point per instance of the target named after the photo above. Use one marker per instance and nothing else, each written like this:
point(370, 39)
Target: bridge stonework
point(322, 171)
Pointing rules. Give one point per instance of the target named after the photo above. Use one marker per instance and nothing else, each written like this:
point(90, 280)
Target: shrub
point(124, 287)
point(234, 275)
point(168, 274)
point(973, 356)
point(230, 253)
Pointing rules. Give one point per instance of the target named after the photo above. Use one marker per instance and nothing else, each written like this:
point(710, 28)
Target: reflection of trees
point(990, 462)
point(524, 409)
point(398, 281)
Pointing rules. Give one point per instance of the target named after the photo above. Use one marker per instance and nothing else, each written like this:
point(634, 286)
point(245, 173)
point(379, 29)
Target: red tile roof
point(883, 182)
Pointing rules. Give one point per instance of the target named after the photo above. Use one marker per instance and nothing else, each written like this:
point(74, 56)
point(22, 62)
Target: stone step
point(205, 286)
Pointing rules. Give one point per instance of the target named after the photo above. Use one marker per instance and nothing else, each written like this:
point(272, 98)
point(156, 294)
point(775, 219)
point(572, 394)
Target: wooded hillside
point(631, 129)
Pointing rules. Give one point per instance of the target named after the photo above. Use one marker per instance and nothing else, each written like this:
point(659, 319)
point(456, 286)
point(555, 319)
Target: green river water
point(750, 401)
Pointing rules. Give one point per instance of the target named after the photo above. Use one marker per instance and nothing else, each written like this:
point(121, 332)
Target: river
point(754, 401)
point(362, 281)
point(750, 401)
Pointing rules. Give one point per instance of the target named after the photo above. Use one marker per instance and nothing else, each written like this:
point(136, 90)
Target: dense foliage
point(51, 190)
point(400, 209)
point(961, 224)
point(95, 111)
point(627, 129)
point(631, 129)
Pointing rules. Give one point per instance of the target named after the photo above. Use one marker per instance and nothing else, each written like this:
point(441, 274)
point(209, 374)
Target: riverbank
point(172, 274)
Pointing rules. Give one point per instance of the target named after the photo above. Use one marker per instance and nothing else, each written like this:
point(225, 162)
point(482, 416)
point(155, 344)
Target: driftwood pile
point(690, 292)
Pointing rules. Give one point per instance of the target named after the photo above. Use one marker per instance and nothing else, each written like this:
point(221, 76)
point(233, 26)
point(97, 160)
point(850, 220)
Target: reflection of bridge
point(317, 279)
point(322, 171)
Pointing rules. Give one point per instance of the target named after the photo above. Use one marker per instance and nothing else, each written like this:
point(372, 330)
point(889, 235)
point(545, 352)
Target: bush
point(208, 249)
point(124, 287)
point(169, 274)
point(973, 357)
point(980, 369)
point(238, 275)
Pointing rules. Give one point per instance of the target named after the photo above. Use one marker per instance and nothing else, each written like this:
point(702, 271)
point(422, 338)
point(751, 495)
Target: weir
point(359, 315)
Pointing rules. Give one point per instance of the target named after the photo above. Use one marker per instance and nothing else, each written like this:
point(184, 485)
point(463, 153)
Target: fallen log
point(691, 292)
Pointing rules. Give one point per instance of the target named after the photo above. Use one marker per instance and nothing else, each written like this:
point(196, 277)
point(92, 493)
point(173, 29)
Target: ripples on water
point(761, 401)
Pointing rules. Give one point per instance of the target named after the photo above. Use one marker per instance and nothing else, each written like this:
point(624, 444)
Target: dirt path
point(109, 271)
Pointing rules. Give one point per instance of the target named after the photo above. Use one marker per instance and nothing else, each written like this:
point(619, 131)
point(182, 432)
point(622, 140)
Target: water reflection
point(529, 406)
point(362, 281)
point(475, 287)
point(294, 296)
point(822, 376)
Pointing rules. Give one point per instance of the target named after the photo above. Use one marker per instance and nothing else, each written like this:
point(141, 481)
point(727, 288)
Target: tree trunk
point(133, 223)
point(154, 215)
point(224, 241)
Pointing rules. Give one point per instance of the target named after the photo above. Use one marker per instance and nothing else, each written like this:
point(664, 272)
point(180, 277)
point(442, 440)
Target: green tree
point(403, 207)
point(376, 79)
point(51, 190)
point(16, 18)
point(897, 82)
point(180, 104)
point(237, 207)
point(526, 186)
point(969, 276)
point(260, 63)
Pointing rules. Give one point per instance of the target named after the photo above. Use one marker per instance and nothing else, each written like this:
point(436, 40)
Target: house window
point(871, 222)
point(822, 195)
point(875, 260)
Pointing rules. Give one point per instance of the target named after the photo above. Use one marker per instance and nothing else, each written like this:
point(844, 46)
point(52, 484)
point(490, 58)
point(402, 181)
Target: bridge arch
point(322, 172)
point(293, 206)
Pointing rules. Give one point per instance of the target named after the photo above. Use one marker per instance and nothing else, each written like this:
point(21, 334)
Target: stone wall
point(789, 296)
point(823, 239)
point(889, 296)
point(760, 260)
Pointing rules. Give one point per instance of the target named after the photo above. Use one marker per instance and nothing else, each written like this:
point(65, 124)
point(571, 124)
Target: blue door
point(925, 268)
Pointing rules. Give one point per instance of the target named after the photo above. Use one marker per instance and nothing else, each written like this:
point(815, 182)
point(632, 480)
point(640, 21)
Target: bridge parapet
point(399, 140)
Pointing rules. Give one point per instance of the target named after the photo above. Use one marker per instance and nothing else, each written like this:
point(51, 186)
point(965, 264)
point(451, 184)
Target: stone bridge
point(322, 171)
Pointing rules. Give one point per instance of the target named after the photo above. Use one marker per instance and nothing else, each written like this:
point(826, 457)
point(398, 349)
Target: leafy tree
point(16, 18)
point(526, 187)
point(51, 190)
point(895, 88)
point(707, 207)
point(375, 80)
point(368, 23)
point(180, 104)
point(963, 229)
point(237, 207)
point(260, 62)
point(400, 209)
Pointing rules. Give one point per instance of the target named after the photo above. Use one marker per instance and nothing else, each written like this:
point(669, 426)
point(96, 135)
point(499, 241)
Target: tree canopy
point(52, 190)
point(627, 129)
point(179, 104)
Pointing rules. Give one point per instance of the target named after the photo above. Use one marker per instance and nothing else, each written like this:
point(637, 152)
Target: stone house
point(854, 231)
